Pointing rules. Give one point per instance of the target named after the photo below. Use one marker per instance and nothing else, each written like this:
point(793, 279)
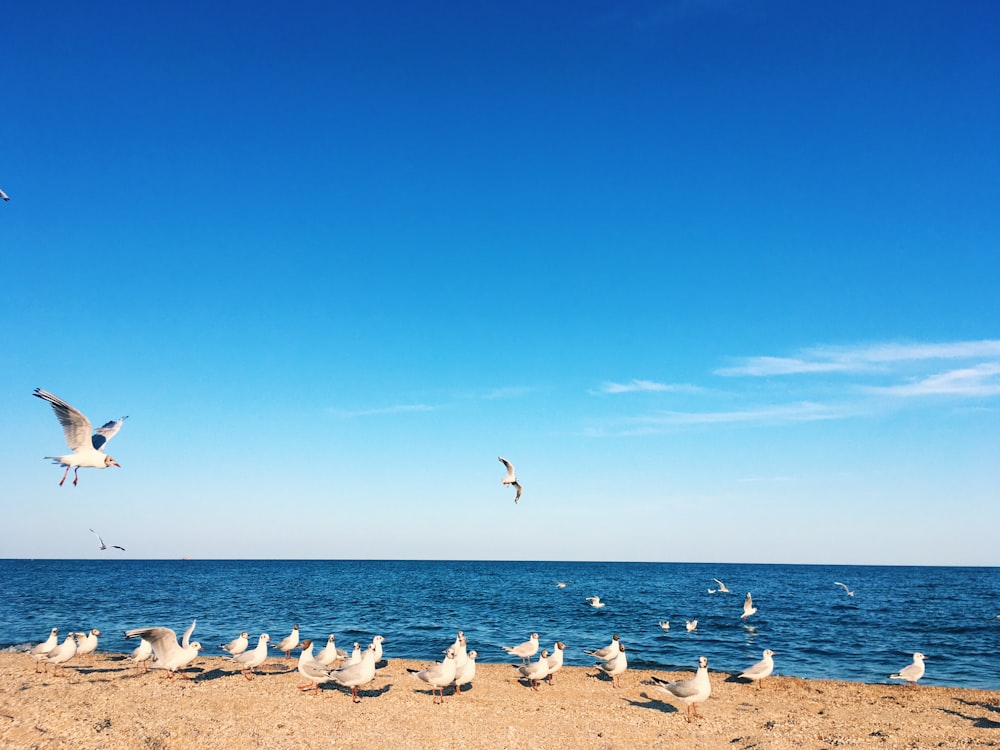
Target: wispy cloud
point(637, 386)
point(801, 412)
point(867, 358)
point(981, 380)
point(394, 409)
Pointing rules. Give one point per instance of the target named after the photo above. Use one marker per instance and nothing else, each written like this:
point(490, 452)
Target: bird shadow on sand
point(979, 704)
point(372, 693)
point(979, 722)
point(654, 704)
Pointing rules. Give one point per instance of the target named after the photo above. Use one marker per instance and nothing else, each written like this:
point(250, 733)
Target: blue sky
point(720, 278)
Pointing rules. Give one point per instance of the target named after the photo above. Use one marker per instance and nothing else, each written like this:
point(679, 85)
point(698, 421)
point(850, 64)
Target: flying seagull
point(511, 478)
point(88, 449)
point(844, 587)
point(102, 545)
point(748, 608)
point(4, 195)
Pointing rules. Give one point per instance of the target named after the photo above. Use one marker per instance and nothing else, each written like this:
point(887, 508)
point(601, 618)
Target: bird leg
point(248, 673)
point(64, 477)
point(354, 692)
point(76, 477)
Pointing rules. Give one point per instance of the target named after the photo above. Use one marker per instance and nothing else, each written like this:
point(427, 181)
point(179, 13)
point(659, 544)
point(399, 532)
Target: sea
point(815, 629)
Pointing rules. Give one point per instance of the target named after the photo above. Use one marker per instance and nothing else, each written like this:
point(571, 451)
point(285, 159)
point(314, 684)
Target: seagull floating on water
point(844, 587)
point(86, 443)
point(101, 545)
point(690, 692)
point(511, 478)
point(665, 624)
point(691, 625)
point(911, 672)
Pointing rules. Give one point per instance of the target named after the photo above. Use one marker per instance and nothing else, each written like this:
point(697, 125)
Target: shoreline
point(110, 704)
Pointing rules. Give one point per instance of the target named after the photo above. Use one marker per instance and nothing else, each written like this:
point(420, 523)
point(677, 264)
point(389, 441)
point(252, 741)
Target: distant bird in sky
point(748, 608)
point(86, 443)
point(844, 587)
point(911, 672)
point(101, 545)
point(511, 478)
point(761, 669)
point(690, 692)
point(4, 195)
point(595, 601)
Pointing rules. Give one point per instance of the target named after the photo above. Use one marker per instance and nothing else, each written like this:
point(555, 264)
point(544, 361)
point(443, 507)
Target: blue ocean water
point(816, 630)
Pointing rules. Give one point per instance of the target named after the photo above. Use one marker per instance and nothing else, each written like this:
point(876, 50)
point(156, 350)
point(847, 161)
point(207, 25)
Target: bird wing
point(842, 585)
point(518, 495)
point(101, 541)
point(681, 688)
point(163, 641)
point(510, 467)
point(105, 432)
point(76, 427)
point(186, 638)
point(115, 546)
point(4, 195)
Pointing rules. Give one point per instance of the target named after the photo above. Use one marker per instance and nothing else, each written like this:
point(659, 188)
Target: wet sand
point(108, 704)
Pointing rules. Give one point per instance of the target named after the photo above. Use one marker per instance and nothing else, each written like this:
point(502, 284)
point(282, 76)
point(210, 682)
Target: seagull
point(595, 602)
point(250, 660)
point(691, 625)
point(525, 650)
point(355, 656)
point(62, 654)
point(748, 608)
point(690, 692)
point(608, 652)
point(170, 655)
point(356, 675)
point(289, 643)
point(555, 660)
point(238, 645)
point(722, 588)
point(761, 669)
point(461, 653)
point(377, 642)
point(911, 672)
point(665, 624)
point(100, 542)
point(141, 654)
point(615, 666)
point(330, 653)
point(311, 669)
point(43, 649)
point(86, 643)
point(4, 195)
point(560, 584)
point(186, 635)
point(438, 675)
point(511, 478)
point(467, 673)
point(87, 448)
point(844, 587)
point(534, 671)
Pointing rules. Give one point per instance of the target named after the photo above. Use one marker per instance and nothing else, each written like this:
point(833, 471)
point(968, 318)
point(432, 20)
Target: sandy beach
point(108, 704)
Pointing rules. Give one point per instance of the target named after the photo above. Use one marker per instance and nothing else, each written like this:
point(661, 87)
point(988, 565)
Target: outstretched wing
point(75, 425)
point(99, 540)
point(163, 641)
point(105, 432)
point(186, 638)
point(510, 468)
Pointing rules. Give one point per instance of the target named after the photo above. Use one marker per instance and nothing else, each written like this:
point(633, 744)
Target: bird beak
point(115, 463)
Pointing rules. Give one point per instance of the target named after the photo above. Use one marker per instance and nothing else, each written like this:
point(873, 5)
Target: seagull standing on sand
point(170, 655)
point(555, 660)
point(289, 642)
point(690, 692)
point(525, 650)
point(844, 587)
point(86, 643)
point(911, 672)
point(356, 675)
point(40, 652)
point(761, 669)
point(141, 654)
point(511, 478)
point(608, 652)
point(100, 542)
point(748, 608)
point(311, 669)
point(534, 671)
point(250, 660)
point(466, 673)
point(330, 653)
point(615, 666)
point(438, 675)
point(62, 654)
point(377, 642)
point(238, 645)
point(88, 449)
